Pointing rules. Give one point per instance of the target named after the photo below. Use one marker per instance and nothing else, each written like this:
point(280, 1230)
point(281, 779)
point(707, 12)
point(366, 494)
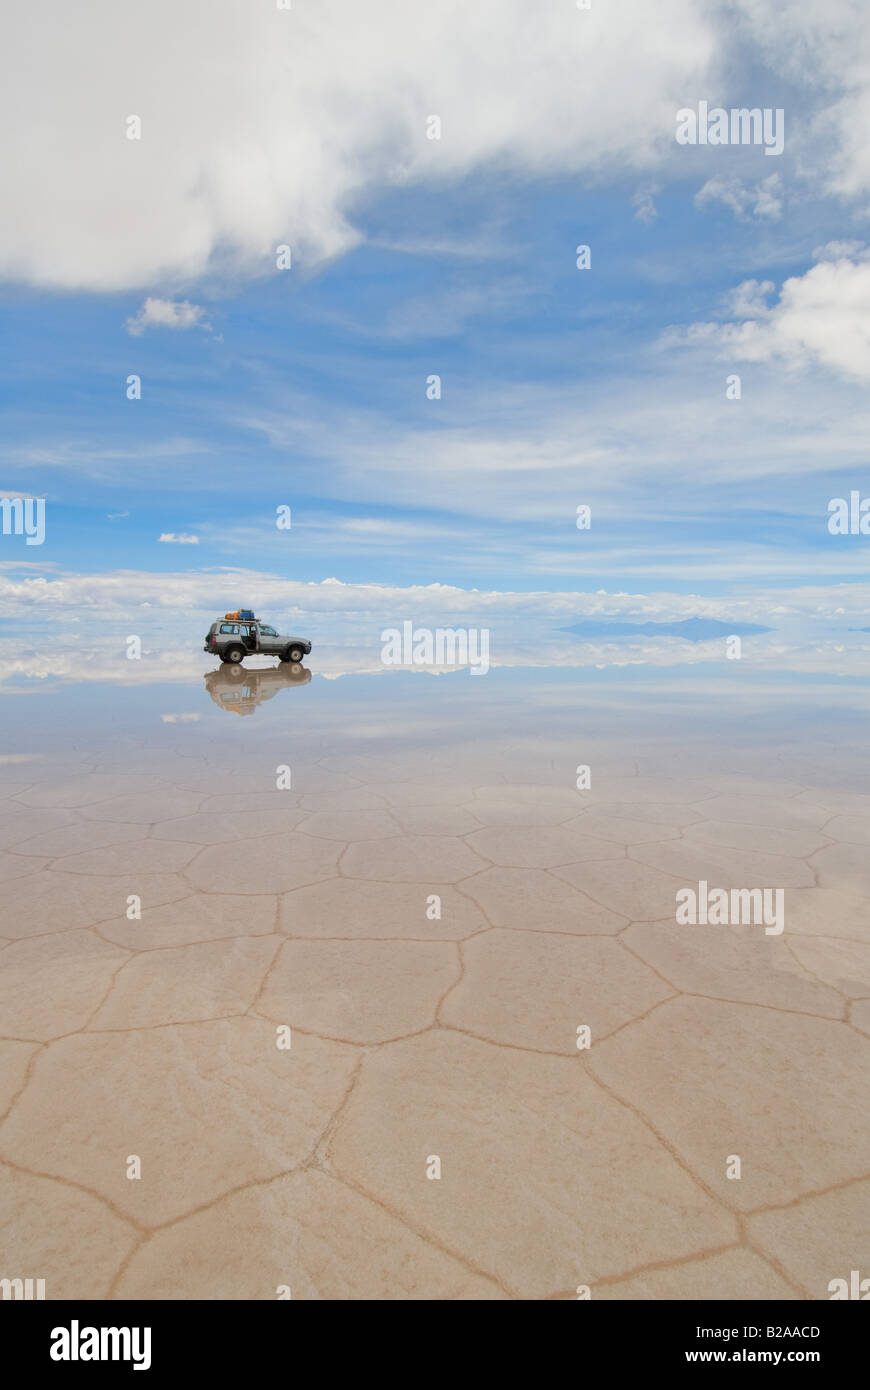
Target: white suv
point(232, 639)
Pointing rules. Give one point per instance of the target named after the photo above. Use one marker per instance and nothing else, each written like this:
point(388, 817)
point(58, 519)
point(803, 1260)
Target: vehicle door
point(249, 635)
point(269, 640)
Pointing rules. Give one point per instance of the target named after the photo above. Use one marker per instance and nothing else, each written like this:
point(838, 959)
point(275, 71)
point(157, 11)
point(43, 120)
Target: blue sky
point(503, 319)
point(560, 387)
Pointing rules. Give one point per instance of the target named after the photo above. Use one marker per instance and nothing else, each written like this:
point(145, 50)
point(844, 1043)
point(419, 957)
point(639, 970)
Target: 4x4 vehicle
point(232, 639)
point(240, 690)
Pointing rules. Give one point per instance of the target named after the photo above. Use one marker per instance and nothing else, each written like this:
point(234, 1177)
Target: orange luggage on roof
point(232, 615)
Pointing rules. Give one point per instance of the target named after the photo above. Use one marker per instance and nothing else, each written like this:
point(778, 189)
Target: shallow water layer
point(374, 987)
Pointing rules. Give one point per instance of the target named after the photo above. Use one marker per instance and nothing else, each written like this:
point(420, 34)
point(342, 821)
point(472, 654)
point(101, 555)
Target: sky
point(412, 257)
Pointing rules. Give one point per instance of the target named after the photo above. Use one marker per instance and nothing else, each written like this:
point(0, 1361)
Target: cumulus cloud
point(749, 299)
point(262, 126)
point(170, 538)
point(167, 313)
point(762, 200)
point(822, 317)
point(824, 46)
point(189, 595)
point(345, 621)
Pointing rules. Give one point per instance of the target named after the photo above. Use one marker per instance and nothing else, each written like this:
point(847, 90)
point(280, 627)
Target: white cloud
point(171, 539)
point(516, 454)
point(768, 200)
point(344, 622)
point(823, 45)
point(181, 663)
point(643, 202)
point(41, 565)
point(764, 200)
point(749, 299)
point(186, 596)
point(498, 478)
point(821, 317)
point(837, 250)
point(263, 126)
point(167, 313)
point(90, 455)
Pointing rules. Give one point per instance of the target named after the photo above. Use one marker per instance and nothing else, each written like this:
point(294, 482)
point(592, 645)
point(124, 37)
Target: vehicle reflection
point(240, 691)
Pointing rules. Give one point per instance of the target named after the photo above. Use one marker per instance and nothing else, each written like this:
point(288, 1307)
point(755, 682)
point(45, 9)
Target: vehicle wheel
point(233, 655)
point(295, 653)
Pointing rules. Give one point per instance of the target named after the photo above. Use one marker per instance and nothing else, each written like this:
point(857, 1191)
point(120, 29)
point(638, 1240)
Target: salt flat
point(432, 923)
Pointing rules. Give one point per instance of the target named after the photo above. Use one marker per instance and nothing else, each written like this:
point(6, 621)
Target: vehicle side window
point(229, 627)
point(268, 632)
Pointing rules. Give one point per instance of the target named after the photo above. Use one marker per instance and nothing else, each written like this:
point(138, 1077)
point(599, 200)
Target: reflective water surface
point(291, 960)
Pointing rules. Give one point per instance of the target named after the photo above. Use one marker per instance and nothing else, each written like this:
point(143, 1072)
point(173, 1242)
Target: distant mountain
point(693, 629)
